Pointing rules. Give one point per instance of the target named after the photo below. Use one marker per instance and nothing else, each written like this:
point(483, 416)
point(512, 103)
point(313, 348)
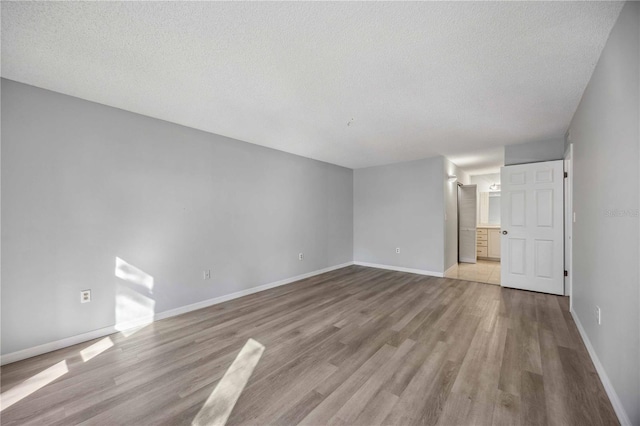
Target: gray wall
point(451, 210)
point(84, 183)
point(400, 205)
point(485, 181)
point(532, 152)
point(605, 134)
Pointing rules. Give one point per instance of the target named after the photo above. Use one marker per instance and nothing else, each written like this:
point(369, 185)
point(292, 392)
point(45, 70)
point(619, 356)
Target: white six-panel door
point(532, 239)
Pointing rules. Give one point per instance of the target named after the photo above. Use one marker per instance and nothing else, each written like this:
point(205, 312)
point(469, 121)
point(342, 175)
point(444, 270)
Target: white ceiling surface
point(418, 79)
point(479, 162)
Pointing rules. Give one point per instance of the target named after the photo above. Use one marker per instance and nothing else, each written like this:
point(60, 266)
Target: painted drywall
point(532, 152)
point(485, 181)
point(605, 134)
point(400, 206)
point(451, 212)
point(84, 185)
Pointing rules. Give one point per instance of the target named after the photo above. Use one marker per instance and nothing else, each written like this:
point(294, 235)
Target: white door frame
point(467, 221)
point(568, 224)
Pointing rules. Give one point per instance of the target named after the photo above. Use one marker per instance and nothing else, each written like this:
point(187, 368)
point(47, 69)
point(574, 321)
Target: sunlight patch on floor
point(217, 408)
point(29, 386)
point(96, 349)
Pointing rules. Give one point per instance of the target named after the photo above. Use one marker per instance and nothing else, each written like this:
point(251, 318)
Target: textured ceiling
point(414, 79)
point(479, 161)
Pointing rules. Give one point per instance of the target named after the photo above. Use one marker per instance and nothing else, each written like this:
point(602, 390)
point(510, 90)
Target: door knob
point(504, 232)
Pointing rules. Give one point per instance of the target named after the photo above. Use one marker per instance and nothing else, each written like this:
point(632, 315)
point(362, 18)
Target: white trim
point(449, 269)
point(568, 223)
point(401, 269)
point(623, 418)
point(58, 344)
point(84, 337)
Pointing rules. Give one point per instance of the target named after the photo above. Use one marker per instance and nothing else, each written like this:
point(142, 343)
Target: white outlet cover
point(85, 296)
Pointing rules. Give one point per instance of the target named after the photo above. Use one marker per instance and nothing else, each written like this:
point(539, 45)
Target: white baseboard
point(58, 344)
point(85, 337)
point(401, 269)
point(227, 297)
point(623, 418)
point(455, 265)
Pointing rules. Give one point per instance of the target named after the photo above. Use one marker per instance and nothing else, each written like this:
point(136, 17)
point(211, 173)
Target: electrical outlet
point(85, 296)
point(206, 274)
point(397, 250)
point(598, 315)
point(300, 256)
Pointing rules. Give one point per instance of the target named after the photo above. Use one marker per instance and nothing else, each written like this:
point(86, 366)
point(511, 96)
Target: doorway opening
point(479, 230)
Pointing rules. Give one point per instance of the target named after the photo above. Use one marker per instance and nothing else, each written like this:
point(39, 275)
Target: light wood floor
point(483, 271)
point(353, 346)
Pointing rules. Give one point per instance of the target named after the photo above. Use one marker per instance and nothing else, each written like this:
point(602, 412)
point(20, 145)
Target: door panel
point(517, 178)
point(544, 176)
point(467, 220)
point(544, 207)
point(518, 208)
point(544, 258)
point(532, 212)
point(518, 253)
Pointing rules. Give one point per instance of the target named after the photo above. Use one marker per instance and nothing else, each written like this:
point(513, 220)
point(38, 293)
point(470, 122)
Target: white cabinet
point(493, 249)
point(482, 242)
point(488, 243)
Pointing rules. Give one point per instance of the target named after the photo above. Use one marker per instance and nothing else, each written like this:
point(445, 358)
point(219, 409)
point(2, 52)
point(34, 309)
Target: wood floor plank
point(409, 408)
point(532, 401)
point(300, 409)
point(506, 411)
point(456, 410)
point(377, 409)
point(355, 346)
point(554, 380)
point(356, 403)
point(510, 369)
point(337, 398)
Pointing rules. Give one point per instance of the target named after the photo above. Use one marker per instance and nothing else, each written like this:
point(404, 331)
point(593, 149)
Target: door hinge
point(566, 174)
point(566, 273)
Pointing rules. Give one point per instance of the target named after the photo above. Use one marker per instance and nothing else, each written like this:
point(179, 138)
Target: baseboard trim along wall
point(452, 267)
point(85, 337)
point(608, 387)
point(401, 269)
